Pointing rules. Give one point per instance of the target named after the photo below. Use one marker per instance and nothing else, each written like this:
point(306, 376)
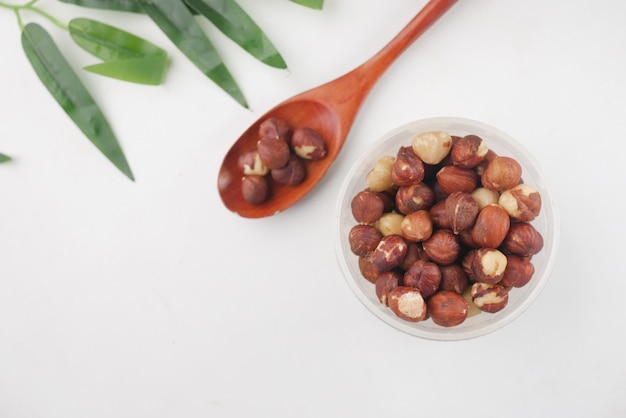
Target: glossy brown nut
point(488, 265)
point(367, 207)
point(414, 197)
point(502, 173)
point(518, 272)
point(439, 215)
point(461, 211)
point(407, 169)
point(425, 276)
point(291, 174)
point(250, 164)
point(363, 239)
point(469, 151)
point(274, 153)
point(368, 269)
point(491, 226)
point(385, 283)
point(466, 264)
point(275, 128)
point(414, 253)
point(453, 278)
point(442, 247)
point(417, 226)
point(407, 303)
point(255, 189)
point(489, 297)
point(447, 309)
point(522, 202)
point(308, 144)
point(523, 240)
point(456, 179)
point(389, 253)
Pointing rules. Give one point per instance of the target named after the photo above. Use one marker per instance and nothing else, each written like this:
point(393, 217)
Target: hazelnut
point(385, 283)
point(518, 272)
point(291, 174)
point(407, 303)
point(417, 226)
point(368, 269)
point(367, 207)
point(522, 239)
point(447, 309)
point(456, 179)
point(466, 240)
point(522, 202)
point(389, 253)
point(468, 151)
point(389, 223)
point(275, 128)
point(274, 152)
point(378, 179)
point(480, 168)
point(432, 147)
point(407, 169)
point(453, 278)
point(255, 189)
point(442, 247)
point(461, 211)
point(414, 197)
point(502, 173)
point(467, 295)
point(414, 253)
point(308, 144)
point(425, 276)
point(363, 239)
point(491, 226)
point(488, 265)
point(466, 264)
point(250, 164)
point(439, 216)
point(489, 297)
point(484, 197)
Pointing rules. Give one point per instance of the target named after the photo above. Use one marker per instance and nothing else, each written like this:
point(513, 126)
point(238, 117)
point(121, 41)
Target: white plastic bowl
point(546, 223)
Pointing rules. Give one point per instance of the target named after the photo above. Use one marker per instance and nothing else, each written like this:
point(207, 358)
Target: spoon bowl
point(330, 109)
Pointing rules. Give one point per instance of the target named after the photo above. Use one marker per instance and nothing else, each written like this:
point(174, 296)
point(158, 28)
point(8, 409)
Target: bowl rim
point(449, 334)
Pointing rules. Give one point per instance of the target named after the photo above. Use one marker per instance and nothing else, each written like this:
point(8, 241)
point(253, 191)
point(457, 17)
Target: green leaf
point(179, 24)
point(235, 23)
point(313, 4)
point(143, 70)
point(62, 82)
point(4, 158)
point(120, 5)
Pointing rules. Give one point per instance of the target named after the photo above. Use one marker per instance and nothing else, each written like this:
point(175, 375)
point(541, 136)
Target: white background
point(151, 300)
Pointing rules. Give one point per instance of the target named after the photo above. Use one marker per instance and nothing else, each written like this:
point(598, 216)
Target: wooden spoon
point(329, 109)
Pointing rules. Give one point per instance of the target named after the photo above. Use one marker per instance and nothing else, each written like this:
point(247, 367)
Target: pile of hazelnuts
point(278, 157)
point(444, 229)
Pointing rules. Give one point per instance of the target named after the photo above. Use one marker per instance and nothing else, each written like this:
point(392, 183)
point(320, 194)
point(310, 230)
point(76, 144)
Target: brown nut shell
point(522, 202)
point(518, 272)
point(308, 144)
point(389, 253)
point(291, 174)
point(275, 128)
point(274, 152)
point(502, 173)
point(442, 247)
point(414, 197)
point(407, 303)
point(453, 278)
point(491, 226)
point(447, 309)
point(456, 179)
point(417, 226)
point(367, 207)
point(461, 211)
point(385, 283)
point(255, 189)
point(425, 276)
point(522, 239)
point(488, 265)
point(489, 297)
point(363, 239)
point(407, 169)
point(469, 151)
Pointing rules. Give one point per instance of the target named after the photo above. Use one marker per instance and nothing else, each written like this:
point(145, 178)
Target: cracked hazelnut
point(291, 174)
point(389, 253)
point(447, 309)
point(488, 265)
point(250, 164)
point(502, 173)
point(274, 152)
point(523, 240)
point(417, 226)
point(255, 189)
point(407, 169)
point(389, 223)
point(363, 239)
point(432, 147)
point(425, 276)
point(489, 297)
point(385, 283)
point(461, 211)
point(414, 197)
point(518, 272)
point(468, 151)
point(456, 179)
point(275, 128)
point(378, 179)
point(522, 202)
point(407, 303)
point(308, 144)
point(442, 247)
point(367, 207)
point(491, 226)
point(453, 278)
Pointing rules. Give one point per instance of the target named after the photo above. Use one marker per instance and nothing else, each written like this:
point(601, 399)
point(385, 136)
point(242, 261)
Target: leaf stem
point(30, 6)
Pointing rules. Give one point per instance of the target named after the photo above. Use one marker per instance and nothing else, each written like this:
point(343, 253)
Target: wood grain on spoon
point(329, 109)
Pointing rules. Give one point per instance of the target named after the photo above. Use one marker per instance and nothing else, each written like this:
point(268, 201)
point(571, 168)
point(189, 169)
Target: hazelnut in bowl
point(447, 229)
